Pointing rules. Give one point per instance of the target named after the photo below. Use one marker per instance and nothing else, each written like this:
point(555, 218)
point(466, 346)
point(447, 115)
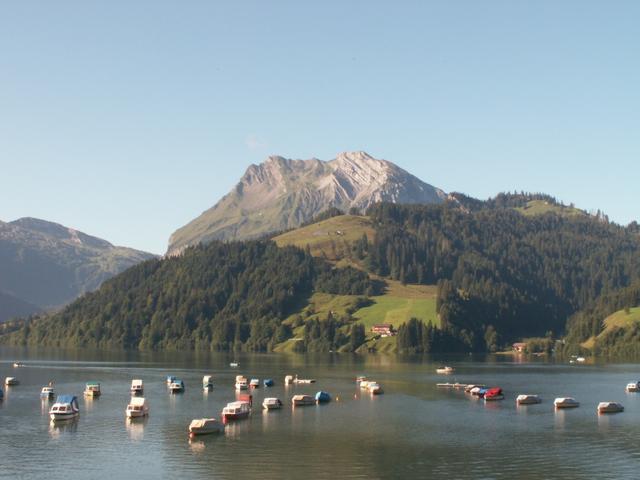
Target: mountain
point(281, 194)
point(46, 265)
point(13, 307)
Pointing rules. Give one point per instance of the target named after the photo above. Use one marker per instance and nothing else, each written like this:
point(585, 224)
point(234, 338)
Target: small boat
point(493, 394)
point(633, 387)
point(171, 379)
point(241, 383)
point(471, 386)
point(525, 399)
point(18, 364)
point(65, 408)
point(234, 364)
point(288, 380)
point(268, 382)
point(302, 400)
point(137, 387)
point(11, 381)
point(375, 388)
point(47, 392)
point(304, 380)
point(610, 407)
point(364, 385)
point(254, 383)
point(205, 426)
point(580, 359)
point(92, 390)
point(323, 397)
point(445, 370)
point(236, 411)
point(138, 407)
point(177, 386)
point(207, 383)
point(271, 403)
point(566, 402)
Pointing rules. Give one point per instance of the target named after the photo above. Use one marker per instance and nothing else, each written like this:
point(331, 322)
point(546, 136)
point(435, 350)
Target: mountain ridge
point(282, 193)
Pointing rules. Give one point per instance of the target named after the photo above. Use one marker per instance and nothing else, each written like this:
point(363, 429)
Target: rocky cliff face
point(282, 193)
point(46, 265)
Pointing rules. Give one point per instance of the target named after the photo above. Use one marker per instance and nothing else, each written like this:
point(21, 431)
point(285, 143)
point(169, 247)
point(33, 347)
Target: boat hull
point(230, 417)
point(136, 413)
point(61, 417)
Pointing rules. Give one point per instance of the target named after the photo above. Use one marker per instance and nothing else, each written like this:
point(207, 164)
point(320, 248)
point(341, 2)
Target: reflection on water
point(414, 430)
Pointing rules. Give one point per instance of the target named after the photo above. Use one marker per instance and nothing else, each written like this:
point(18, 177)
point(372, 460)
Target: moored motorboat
point(18, 364)
point(304, 380)
point(493, 394)
point(566, 402)
point(633, 387)
point(302, 400)
point(445, 370)
point(47, 392)
point(469, 387)
point(271, 403)
point(177, 386)
point(254, 383)
point(137, 387)
point(322, 397)
point(11, 381)
point(234, 364)
point(526, 399)
point(138, 407)
point(241, 383)
point(268, 382)
point(236, 411)
point(610, 407)
point(65, 408)
point(205, 426)
point(288, 380)
point(375, 388)
point(170, 379)
point(207, 382)
point(364, 385)
point(92, 390)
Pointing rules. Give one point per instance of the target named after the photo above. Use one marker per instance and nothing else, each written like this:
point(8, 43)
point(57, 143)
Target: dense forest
point(501, 271)
point(217, 297)
point(501, 275)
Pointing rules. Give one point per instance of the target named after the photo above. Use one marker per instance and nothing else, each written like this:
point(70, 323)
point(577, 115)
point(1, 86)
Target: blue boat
point(268, 382)
point(323, 397)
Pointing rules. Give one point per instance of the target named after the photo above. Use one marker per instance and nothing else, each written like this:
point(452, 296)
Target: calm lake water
point(414, 430)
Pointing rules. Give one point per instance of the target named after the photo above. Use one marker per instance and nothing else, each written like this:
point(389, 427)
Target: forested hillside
point(222, 296)
point(499, 271)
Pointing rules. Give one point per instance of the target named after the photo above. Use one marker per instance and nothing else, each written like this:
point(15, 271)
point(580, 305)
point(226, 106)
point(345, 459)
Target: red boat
point(493, 394)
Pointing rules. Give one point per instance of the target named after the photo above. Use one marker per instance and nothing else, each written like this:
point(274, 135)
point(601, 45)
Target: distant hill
point(13, 307)
point(281, 194)
point(45, 265)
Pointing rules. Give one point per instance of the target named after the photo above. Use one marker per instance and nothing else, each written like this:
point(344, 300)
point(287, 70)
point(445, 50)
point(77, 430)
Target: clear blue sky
point(127, 119)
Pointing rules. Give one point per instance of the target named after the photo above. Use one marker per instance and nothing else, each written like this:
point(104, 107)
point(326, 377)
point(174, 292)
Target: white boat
point(445, 370)
point(288, 380)
point(580, 359)
point(92, 389)
point(525, 399)
point(236, 411)
point(138, 407)
point(633, 387)
point(254, 383)
point(271, 403)
point(241, 383)
point(302, 400)
point(47, 392)
point(610, 407)
point(205, 426)
point(375, 388)
point(11, 381)
point(234, 364)
point(207, 384)
point(304, 380)
point(177, 386)
point(364, 385)
point(18, 364)
point(566, 402)
point(137, 387)
point(65, 408)
point(468, 388)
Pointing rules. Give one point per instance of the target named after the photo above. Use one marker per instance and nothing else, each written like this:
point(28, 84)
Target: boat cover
point(138, 401)
point(268, 382)
point(323, 397)
point(136, 383)
point(201, 422)
point(492, 392)
point(71, 399)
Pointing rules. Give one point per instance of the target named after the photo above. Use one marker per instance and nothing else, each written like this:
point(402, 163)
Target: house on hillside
point(519, 347)
point(383, 329)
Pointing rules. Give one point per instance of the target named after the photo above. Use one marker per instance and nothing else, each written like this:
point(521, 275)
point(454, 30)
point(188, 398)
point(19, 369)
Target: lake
point(414, 430)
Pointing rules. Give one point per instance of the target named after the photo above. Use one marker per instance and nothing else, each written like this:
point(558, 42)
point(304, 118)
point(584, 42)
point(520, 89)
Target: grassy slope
point(330, 238)
point(540, 207)
point(618, 319)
